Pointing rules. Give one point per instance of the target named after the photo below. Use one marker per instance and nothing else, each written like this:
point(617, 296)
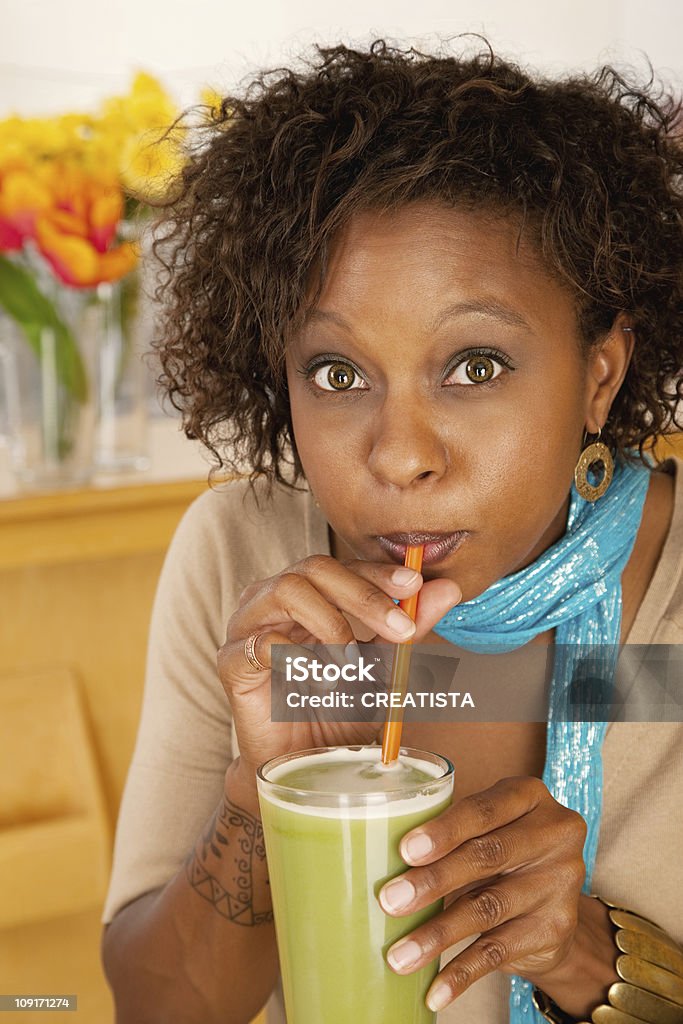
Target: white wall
point(65, 54)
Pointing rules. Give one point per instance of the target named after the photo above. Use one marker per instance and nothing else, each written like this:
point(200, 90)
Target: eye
point(335, 376)
point(478, 368)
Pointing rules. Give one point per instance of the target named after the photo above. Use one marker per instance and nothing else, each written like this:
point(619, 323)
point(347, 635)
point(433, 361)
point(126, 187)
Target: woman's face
point(439, 387)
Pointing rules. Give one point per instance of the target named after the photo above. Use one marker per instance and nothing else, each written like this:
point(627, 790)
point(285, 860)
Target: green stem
point(23, 301)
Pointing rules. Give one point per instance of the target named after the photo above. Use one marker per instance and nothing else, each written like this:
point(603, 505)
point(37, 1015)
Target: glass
point(122, 378)
point(70, 413)
point(329, 854)
point(49, 420)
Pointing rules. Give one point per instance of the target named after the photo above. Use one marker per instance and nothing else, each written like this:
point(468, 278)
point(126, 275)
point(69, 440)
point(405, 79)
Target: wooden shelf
point(57, 528)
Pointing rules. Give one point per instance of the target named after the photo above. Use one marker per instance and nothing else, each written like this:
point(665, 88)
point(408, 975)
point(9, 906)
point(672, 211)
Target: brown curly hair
point(592, 163)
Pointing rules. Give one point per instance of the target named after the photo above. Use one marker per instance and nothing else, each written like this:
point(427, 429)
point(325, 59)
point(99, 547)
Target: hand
point(305, 604)
point(509, 860)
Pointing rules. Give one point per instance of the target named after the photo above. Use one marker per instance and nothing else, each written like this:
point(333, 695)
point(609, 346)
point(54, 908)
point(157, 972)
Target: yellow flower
point(212, 100)
point(150, 163)
point(148, 157)
point(62, 178)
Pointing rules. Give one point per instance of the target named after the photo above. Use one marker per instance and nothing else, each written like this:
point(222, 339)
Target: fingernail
point(438, 996)
point(417, 847)
point(404, 954)
point(401, 623)
point(404, 576)
point(397, 895)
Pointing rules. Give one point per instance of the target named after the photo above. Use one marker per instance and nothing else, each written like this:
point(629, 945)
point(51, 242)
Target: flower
point(22, 198)
point(77, 233)
point(67, 184)
point(148, 149)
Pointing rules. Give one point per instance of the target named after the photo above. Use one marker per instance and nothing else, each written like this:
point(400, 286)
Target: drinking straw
point(400, 667)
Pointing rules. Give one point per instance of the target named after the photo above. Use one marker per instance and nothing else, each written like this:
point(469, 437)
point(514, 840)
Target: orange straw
point(400, 668)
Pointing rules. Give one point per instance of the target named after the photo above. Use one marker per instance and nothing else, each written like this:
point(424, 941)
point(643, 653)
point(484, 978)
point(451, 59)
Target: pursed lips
point(437, 546)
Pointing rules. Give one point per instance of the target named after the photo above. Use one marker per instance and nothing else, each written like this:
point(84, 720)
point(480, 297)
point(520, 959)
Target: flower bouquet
point(73, 193)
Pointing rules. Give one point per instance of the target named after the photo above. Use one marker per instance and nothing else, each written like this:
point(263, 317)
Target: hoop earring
point(595, 452)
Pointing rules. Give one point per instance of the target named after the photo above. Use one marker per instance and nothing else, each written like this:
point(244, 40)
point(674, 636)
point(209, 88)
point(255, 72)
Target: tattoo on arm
point(232, 845)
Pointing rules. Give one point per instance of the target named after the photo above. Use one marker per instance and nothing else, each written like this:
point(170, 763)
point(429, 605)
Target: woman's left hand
point(509, 860)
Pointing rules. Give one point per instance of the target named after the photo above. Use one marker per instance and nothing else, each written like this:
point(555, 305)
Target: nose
point(407, 443)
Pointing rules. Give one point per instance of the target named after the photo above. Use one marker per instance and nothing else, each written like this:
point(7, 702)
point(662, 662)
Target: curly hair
point(592, 163)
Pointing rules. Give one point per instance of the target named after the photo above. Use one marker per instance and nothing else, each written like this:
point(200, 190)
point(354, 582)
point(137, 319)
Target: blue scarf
point(574, 588)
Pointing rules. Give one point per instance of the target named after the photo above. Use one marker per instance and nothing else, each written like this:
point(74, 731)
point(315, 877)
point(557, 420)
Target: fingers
point(233, 664)
point(498, 950)
point(291, 598)
point(315, 592)
point(524, 852)
point(473, 816)
point(483, 909)
point(436, 598)
point(477, 859)
point(478, 911)
point(547, 833)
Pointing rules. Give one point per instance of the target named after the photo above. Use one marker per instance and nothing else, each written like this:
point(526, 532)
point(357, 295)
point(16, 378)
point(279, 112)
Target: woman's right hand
point(304, 605)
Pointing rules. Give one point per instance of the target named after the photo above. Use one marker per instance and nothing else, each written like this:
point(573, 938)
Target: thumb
point(435, 599)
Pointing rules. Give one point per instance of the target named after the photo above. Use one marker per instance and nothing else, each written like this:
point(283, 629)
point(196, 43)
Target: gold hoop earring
point(593, 453)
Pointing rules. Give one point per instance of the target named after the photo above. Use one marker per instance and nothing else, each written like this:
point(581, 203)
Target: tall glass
point(329, 853)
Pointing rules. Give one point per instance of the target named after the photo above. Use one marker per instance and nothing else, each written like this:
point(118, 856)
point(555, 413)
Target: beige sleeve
point(225, 541)
point(184, 743)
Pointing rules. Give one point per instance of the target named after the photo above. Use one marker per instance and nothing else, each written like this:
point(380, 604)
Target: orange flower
point(77, 233)
point(74, 257)
point(71, 215)
point(22, 198)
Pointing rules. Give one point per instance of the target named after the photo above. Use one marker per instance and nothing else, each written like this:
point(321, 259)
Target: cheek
point(543, 424)
point(328, 447)
point(519, 470)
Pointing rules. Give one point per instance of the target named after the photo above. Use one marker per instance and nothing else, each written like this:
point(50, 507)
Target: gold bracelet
point(650, 965)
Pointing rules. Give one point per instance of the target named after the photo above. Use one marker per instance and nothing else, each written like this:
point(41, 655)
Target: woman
point(422, 285)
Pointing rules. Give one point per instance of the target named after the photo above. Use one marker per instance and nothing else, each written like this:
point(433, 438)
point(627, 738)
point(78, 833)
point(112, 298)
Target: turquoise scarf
point(574, 588)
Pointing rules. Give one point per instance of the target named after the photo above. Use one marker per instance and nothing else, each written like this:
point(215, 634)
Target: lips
point(437, 546)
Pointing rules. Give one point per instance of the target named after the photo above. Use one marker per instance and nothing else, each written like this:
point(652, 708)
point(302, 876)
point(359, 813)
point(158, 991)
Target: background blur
point(57, 54)
point(78, 568)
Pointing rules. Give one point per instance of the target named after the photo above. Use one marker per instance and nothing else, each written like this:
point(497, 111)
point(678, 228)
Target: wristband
point(650, 966)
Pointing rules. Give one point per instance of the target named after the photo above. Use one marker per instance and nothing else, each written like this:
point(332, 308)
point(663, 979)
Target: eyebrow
point(316, 315)
point(482, 307)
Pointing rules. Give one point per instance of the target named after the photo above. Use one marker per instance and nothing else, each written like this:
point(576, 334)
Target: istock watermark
point(631, 683)
point(302, 670)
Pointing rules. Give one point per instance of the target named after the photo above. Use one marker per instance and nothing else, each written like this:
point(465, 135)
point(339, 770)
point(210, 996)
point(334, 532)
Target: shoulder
point(249, 532)
point(672, 558)
point(664, 598)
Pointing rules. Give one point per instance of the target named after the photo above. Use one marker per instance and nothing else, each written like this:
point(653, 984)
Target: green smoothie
point(332, 822)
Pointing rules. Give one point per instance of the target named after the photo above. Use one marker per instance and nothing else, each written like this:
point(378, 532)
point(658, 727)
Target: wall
point(61, 54)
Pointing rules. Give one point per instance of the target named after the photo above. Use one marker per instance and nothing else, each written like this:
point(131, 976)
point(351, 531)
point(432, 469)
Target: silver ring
point(250, 652)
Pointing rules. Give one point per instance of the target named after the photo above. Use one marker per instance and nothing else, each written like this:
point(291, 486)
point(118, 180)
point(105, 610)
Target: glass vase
point(49, 411)
point(121, 378)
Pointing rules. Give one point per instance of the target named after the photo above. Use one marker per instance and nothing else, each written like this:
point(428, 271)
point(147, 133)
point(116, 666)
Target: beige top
point(185, 740)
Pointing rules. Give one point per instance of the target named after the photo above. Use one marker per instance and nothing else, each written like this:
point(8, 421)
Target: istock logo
point(300, 670)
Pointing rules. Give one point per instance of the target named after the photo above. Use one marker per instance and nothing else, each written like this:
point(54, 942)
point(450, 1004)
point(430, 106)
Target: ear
point(608, 363)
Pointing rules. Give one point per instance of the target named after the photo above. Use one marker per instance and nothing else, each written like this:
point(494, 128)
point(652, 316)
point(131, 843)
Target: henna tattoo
point(234, 838)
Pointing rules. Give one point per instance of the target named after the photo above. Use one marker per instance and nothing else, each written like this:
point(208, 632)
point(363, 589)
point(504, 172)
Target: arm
point(175, 953)
point(202, 949)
